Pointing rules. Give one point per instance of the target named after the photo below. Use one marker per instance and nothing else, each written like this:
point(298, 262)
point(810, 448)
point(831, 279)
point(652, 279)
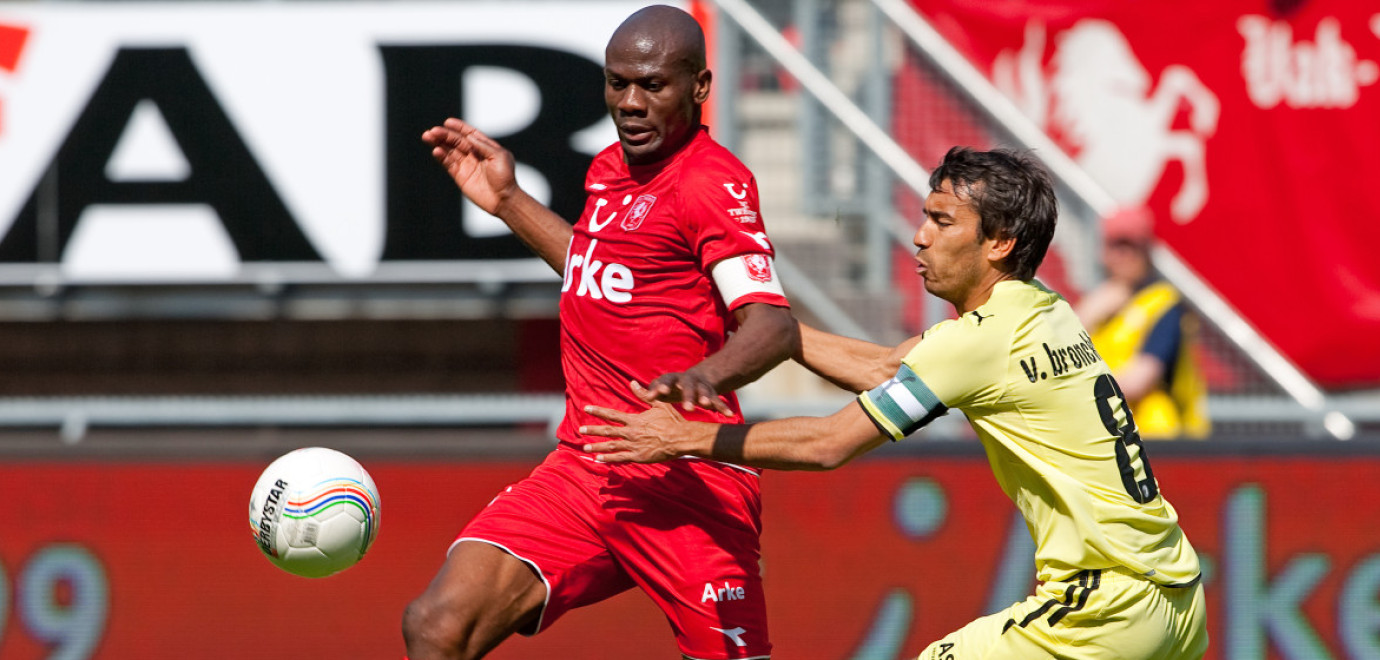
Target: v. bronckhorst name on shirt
point(1062, 359)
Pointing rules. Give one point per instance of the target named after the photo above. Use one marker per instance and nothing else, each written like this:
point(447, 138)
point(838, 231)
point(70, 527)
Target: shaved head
point(664, 29)
point(656, 82)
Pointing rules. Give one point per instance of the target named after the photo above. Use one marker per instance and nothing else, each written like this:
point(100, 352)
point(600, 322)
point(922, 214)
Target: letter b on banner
point(423, 88)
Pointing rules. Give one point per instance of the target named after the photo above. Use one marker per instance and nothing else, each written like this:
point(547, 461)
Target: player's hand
point(638, 438)
point(481, 167)
point(689, 388)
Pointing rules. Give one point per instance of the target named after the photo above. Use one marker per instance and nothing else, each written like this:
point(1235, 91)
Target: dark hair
point(1013, 196)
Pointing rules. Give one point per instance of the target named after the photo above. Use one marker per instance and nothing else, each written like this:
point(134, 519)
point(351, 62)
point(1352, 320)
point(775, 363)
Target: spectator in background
point(1142, 328)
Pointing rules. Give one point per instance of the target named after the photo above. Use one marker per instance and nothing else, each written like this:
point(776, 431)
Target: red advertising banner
point(1249, 128)
point(153, 560)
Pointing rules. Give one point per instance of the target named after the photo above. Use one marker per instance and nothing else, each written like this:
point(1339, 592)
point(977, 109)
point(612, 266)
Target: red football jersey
point(638, 299)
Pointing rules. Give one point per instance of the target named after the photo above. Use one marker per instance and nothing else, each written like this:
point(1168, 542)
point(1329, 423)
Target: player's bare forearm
point(485, 172)
point(796, 443)
point(852, 364)
point(766, 337)
point(539, 228)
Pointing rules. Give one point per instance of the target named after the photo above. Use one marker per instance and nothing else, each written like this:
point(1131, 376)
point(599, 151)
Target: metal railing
point(1296, 385)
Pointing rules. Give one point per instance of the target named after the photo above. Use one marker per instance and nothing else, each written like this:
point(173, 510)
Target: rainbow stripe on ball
point(332, 493)
point(327, 494)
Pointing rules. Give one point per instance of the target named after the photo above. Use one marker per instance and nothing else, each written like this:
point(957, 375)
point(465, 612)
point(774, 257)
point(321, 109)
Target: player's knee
point(432, 630)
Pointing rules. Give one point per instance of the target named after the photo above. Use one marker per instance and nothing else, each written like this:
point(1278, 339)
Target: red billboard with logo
point(148, 560)
point(1249, 128)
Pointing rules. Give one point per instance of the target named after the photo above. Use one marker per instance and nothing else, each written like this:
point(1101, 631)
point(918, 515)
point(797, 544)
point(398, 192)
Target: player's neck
point(982, 293)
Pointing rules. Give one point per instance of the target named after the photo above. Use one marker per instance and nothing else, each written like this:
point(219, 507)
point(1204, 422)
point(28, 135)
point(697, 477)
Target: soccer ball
point(314, 512)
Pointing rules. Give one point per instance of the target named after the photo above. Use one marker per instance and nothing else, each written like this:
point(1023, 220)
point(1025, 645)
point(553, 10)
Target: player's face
point(953, 256)
point(653, 98)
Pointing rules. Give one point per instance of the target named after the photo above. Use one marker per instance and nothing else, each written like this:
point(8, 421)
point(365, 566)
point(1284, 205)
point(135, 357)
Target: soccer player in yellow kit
point(1118, 578)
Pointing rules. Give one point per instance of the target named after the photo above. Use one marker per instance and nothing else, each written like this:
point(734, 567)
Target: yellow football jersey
point(1061, 441)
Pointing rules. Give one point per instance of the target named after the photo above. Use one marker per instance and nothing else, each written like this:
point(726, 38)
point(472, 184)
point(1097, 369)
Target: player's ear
point(702, 83)
point(1000, 247)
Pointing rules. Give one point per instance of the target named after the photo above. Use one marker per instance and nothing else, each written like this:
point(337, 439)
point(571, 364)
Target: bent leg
point(480, 596)
point(1102, 615)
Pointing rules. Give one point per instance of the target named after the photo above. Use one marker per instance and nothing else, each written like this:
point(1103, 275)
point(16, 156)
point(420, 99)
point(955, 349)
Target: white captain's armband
point(902, 405)
point(746, 275)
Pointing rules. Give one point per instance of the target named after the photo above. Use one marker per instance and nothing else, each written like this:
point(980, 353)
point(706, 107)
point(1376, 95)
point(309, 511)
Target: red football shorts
point(686, 532)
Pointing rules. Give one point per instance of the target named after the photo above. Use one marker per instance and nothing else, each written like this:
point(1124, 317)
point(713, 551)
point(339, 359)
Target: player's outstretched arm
point(852, 364)
point(486, 174)
point(795, 443)
point(766, 337)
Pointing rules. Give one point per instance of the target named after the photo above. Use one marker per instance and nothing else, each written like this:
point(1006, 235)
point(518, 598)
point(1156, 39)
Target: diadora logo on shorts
point(735, 634)
point(12, 40)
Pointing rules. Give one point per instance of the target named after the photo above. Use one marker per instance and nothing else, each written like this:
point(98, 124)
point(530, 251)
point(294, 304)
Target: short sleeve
point(722, 210)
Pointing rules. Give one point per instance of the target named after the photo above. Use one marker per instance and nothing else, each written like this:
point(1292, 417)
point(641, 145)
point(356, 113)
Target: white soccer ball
point(314, 512)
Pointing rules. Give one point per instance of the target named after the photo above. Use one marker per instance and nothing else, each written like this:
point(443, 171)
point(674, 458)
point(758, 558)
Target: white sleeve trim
point(744, 275)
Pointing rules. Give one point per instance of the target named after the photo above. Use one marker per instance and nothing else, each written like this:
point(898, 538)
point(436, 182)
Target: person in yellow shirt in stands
point(1144, 331)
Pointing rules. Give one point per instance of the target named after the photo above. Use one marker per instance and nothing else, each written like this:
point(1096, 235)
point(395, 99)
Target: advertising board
point(153, 559)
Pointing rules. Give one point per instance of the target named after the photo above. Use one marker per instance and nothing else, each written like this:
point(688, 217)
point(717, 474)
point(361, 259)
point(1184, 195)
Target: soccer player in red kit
point(668, 279)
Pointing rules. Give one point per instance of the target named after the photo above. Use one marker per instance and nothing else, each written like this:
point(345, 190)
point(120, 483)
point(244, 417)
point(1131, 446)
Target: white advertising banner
point(179, 142)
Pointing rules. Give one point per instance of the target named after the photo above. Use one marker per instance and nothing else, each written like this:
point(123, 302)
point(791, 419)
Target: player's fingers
point(443, 136)
point(716, 404)
point(704, 396)
point(483, 145)
point(615, 416)
point(603, 447)
point(641, 392)
point(604, 431)
point(689, 393)
point(661, 388)
point(617, 457)
point(459, 125)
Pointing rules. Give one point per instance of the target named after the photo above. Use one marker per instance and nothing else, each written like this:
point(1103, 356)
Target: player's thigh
point(548, 522)
point(1154, 622)
point(990, 637)
point(1116, 617)
point(479, 597)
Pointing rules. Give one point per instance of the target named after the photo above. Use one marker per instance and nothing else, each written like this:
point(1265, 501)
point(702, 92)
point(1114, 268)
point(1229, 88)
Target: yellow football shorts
point(1099, 615)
